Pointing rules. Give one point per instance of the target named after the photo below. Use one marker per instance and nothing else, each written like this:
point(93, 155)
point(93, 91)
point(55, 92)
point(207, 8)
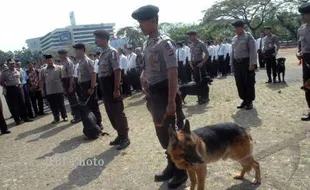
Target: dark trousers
point(245, 79)
point(99, 96)
point(16, 102)
point(114, 107)
point(271, 67)
point(199, 73)
point(181, 72)
point(9, 106)
point(37, 102)
point(125, 84)
point(214, 68)
point(209, 66)
point(188, 72)
point(27, 100)
point(157, 103)
point(92, 102)
point(57, 105)
point(223, 65)
point(3, 126)
point(77, 88)
point(227, 61)
point(134, 79)
point(72, 98)
point(306, 74)
point(261, 59)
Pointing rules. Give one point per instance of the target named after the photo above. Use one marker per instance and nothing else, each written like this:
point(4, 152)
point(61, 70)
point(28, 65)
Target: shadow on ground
point(244, 185)
point(136, 103)
point(135, 96)
point(66, 146)
point(194, 109)
point(247, 118)
point(164, 186)
point(34, 131)
point(85, 174)
point(277, 86)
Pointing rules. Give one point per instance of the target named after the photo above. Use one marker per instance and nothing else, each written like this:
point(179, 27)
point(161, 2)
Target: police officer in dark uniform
point(304, 50)
point(109, 73)
point(243, 60)
point(11, 80)
point(68, 81)
point(270, 49)
point(87, 81)
point(159, 79)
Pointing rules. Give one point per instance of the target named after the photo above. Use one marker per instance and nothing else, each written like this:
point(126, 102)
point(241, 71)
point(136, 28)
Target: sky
point(24, 19)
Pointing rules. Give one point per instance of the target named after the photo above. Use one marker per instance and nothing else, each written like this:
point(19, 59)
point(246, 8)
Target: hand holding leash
point(171, 109)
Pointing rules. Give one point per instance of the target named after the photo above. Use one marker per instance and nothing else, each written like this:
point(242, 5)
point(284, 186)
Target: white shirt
point(258, 41)
point(123, 63)
point(211, 52)
point(181, 55)
point(96, 65)
point(187, 52)
point(132, 61)
point(221, 51)
point(75, 70)
point(215, 49)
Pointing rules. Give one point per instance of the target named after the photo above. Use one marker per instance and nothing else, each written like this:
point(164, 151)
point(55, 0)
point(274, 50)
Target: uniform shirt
point(197, 50)
point(229, 49)
point(159, 56)
point(11, 77)
point(76, 70)
point(132, 61)
point(270, 42)
point(304, 39)
point(215, 50)
point(123, 62)
point(51, 76)
point(188, 52)
point(221, 51)
point(180, 55)
point(139, 61)
point(211, 52)
point(244, 47)
point(108, 62)
point(67, 69)
point(96, 65)
point(259, 44)
point(85, 69)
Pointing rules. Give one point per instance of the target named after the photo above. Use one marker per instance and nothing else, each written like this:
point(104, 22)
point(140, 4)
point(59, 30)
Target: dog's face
point(281, 61)
point(183, 148)
point(206, 81)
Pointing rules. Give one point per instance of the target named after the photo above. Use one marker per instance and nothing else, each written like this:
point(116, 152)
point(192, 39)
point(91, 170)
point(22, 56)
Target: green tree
point(134, 35)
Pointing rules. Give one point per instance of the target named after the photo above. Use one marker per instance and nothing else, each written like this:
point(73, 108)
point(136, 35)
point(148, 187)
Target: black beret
point(237, 23)
point(17, 60)
point(79, 46)
point(267, 27)
point(304, 8)
point(10, 60)
point(102, 34)
point(145, 13)
point(62, 51)
point(47, 56)
point(192, 32)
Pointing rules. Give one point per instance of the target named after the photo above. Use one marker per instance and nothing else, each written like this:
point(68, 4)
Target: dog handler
point(159, 79)
point(304, 49)
point(243, 62)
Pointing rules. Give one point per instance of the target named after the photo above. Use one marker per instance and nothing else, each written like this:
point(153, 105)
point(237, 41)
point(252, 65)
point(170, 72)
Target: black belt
point(241, 60)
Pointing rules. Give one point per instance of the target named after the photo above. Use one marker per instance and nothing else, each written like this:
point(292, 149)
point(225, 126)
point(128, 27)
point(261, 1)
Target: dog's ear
point(187, 128)
point(173, 137)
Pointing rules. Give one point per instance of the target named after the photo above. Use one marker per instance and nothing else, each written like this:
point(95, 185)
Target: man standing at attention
point(109, 80)
point(243, 61)
point(259, 45)
point(304, 50)
point(160, 80)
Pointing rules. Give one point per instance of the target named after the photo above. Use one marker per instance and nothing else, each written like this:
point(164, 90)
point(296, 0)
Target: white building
point(34, 44)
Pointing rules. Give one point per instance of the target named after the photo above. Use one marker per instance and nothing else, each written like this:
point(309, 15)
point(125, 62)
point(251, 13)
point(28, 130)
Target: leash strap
point(170, 124)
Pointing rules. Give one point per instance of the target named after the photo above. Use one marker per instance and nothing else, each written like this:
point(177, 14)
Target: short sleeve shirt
point(108, 62)
point(158, 56)
point(11, 77)
point(51, 76)
point(304, 39)
point(197, 50)
point(269, 42)
point(67, 69)
point(86, 68)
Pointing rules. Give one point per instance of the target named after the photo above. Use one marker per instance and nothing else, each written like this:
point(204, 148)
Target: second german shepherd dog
point(193, 150)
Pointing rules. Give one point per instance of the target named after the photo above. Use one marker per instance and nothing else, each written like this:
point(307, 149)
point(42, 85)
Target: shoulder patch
point(114, 56)
point(170, 48)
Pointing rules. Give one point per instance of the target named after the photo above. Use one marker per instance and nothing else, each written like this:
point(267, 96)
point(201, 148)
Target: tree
point(134, 35)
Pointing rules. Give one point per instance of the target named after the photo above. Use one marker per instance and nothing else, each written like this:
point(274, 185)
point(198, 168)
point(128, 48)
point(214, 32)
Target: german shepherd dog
point(281, 68)
point(200, 89)
point(193, 150)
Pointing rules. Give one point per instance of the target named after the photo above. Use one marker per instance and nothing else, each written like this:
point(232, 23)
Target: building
point(64, 37)
point(34, 44)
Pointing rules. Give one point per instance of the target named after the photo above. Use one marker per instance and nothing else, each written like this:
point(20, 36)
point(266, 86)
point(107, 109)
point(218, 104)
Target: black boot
point(116, 141)
point(306, 117)
point(167, 173)
point(249, 105)
point(179, 177)
point(242, 105)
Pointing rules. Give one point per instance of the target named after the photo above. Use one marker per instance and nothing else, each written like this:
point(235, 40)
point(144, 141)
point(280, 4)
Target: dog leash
point(176, 128)
point(86, 102)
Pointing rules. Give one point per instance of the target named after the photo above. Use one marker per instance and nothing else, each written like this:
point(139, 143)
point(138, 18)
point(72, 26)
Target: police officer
point(304, 49)
point(109, 80)
point(51, 86)
point(67, 80)
point(11, 80)
point(243, 61)
point(87, 81)
point(159, 79)
point(270, 49)
point(3, 125)
point(198, 61)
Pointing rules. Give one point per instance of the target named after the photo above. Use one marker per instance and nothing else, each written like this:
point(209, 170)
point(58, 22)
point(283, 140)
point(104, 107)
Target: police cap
point(47, 56)
point(79, 46)
point(102, 34)
point(145, 13)
point(62, 51)
point(238, 23)
point(304, 8)
point(192, 32)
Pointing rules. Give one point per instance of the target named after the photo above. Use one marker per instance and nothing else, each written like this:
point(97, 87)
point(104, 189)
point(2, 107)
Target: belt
point(240, 60)
point(18, 85)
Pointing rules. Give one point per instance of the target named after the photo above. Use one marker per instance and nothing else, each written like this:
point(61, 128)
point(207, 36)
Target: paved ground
point(28, 156)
